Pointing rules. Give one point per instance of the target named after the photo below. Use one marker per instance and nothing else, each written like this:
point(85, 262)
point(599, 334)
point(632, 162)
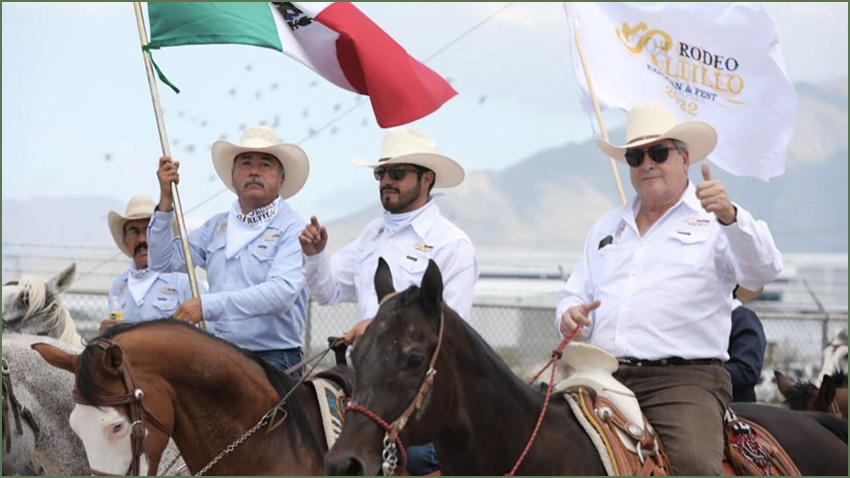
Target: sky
point(78, 121)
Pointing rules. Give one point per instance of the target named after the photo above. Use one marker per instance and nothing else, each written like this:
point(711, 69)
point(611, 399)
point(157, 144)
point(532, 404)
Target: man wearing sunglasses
point(409, 233)
point(654, 287)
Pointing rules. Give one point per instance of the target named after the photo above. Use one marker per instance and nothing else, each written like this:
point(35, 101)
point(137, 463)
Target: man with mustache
point(410, 232)
point(140, 293)
point(654, 288)
point(257, 298)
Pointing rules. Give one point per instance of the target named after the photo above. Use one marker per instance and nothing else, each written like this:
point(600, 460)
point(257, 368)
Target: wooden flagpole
point(595, 103)
point(166, 151)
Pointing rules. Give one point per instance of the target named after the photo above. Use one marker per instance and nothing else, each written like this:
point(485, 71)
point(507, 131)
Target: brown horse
point(479, 415)
point(209, 395)
point(807, 396)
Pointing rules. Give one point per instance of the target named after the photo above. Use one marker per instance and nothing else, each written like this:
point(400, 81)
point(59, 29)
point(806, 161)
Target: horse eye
point(117, 428)
point(414, 361)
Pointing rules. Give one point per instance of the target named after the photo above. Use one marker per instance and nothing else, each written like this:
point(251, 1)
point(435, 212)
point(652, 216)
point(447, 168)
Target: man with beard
point(257, 298)
point(409, 233)
point(140, 293)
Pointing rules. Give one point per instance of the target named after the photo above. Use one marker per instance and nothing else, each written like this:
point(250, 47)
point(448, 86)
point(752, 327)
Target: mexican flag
point(336, 40)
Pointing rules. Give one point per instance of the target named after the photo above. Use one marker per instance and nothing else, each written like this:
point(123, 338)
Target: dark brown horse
point(806, 396)
point(203, 391)
point(478, 414)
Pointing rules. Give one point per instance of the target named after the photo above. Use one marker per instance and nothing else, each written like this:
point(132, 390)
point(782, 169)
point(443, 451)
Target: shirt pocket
point(687, 248)
point(414, 265)
point(166, 304)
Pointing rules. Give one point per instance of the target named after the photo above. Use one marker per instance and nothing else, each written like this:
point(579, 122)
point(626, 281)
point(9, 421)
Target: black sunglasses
point(658, 153)
point(396, 173)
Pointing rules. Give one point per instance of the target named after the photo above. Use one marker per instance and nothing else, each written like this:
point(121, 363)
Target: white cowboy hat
point(649, 123)
point(408, 146)
point(139, 207)
point(262, 139)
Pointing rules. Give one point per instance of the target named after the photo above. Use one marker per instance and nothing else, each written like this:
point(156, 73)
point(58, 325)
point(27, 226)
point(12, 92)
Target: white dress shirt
point(350, 273)
point(668, 293)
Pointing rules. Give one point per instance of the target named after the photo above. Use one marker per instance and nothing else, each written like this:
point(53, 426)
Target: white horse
point(834, 357)
point(33, 306)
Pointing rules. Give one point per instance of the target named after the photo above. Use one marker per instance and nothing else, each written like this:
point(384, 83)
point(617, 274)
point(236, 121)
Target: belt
point(636, 362)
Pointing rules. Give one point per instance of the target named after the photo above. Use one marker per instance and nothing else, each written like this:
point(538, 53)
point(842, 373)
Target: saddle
point(627, 443)
point(333, 390)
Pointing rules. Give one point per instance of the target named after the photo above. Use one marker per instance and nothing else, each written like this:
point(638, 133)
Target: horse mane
point(411, 296)
point(281, 382)
point(797, 398)
point(839, 378)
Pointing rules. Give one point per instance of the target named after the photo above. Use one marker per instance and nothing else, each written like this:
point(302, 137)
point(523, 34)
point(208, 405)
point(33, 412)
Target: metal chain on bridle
point(336, 344)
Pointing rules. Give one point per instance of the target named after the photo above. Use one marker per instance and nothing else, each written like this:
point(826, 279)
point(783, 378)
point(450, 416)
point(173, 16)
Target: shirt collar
point(688, 198)
point(423, 222)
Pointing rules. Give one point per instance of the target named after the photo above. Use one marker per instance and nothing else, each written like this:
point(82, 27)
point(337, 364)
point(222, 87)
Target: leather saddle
point(627, 443)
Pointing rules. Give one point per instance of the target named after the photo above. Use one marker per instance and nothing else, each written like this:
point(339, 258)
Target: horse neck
point(213, 411)
point(490, 400)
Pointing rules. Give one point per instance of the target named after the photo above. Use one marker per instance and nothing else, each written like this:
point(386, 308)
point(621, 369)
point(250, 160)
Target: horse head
point(122, 414)
point(33, 306)
point(394, 364)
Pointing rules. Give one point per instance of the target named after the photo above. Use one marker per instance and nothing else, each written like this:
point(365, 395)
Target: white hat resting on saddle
point(139, 207)
point(408, 146)
point(650, 123)
point(261, 139)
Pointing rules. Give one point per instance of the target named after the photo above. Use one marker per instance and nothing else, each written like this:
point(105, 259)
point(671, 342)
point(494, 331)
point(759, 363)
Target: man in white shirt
point(654, 285)
point(410, 232)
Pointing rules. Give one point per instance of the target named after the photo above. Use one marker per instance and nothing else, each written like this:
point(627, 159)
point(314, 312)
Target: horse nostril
point(344, 466)
point(355, 468)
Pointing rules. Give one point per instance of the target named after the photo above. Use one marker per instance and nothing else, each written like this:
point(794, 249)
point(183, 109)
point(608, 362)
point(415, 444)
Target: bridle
point(134, 399)
point(392, 443)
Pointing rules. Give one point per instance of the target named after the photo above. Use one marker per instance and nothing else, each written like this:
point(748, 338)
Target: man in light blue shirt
point(258, 297)
point(140, 293)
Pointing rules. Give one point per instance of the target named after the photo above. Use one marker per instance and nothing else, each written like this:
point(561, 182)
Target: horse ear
point(63, 280)
point(826, 392)
point(112, 360)
point(432, 289)
point(56, 356)
point(782, 383)
point(383, 279)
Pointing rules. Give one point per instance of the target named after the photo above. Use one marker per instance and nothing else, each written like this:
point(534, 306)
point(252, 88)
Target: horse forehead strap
point(424, 388)
point(134, 394)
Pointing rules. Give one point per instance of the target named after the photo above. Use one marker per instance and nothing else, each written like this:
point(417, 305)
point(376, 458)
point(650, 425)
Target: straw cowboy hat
point(261, 139)
point(408, 146)
point(139, 207)
point(649, 123)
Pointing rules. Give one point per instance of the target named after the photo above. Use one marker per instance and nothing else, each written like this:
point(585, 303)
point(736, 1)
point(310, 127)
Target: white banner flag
point(715, 62)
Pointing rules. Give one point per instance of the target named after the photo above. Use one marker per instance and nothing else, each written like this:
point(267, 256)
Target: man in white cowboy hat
point(141, 294)
point(409, 233)
point(654, 285)
point(257, 298)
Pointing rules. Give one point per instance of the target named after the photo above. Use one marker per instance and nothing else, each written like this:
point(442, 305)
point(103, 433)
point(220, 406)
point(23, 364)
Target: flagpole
point(596, 105)
point(166, 151)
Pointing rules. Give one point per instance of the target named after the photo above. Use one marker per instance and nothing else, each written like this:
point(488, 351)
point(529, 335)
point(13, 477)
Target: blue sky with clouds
point(78, 121)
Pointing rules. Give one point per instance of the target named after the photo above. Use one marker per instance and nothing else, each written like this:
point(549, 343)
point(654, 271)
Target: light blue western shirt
point(258, 298)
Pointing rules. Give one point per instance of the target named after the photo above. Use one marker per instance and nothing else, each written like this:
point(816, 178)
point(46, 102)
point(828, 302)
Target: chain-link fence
point(525, 336)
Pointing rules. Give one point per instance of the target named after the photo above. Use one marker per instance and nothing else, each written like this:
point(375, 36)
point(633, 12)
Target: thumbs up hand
point(713, 197)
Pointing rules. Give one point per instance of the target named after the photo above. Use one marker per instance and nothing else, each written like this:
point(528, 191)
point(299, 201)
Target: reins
point(556, 355)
